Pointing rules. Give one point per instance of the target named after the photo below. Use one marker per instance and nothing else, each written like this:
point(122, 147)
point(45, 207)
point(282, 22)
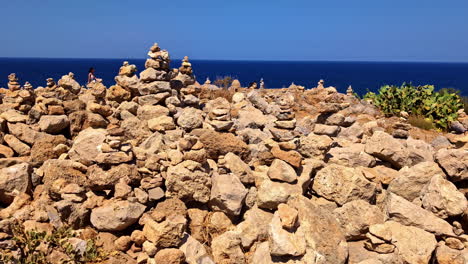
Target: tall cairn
point(154, 85)
point(17, 97)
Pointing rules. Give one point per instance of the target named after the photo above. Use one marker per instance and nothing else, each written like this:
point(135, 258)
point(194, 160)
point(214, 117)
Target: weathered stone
point(227, 249)
point(287, 215)
point(454, 162)
point(314, 146)
point(217, 144)
point(190, 118)
point(254, 227)
point(446, 255)
point(282, 242)
point(351, 156)
point(270, 194)
point(116, 215)
point(188, 181)
point(87, 145)
point(170, 256)
point(239, 168)
point(402, 211)
point(168, 233)
point(161, 123)
point(17, 145)
point(227, 194)
point(356, 216)
point(194, 251)
point(442, 198)
point(14, 180)
point(53, 124)
point(411, 180)
point(331, 131)
point(101, 179)
point(282, 171)
point(342, 184)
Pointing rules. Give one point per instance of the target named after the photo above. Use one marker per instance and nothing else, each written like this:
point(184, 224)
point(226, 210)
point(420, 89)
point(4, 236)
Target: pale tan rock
point(14, 180)
point(342, 184)
point(53, 124)
point(227, 249)
point(123, 243)
point(238, 167)
point(411, 180)
point(387, 148)
point(401, 210)
point(446, 255)
point(116, 215)
point(188, 181)
point(454, 162)
point(356, 216)
point(270, 194)
point(282, 171)
point(351, 156)
point(17, 145)
point(161, 123)
point(288, 216)
point(87, 145)
point(314, 146)
point(170, 256)
point(195, 252)
point(261, 254)
point(227, 194)
point(168, 233)
point(283, 242)
point(442, 198)
point(254, 227)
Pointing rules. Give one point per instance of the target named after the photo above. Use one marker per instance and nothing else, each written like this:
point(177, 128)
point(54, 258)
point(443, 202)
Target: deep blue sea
point(362, 76)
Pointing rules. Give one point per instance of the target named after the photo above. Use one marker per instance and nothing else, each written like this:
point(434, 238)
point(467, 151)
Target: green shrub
point(421, 122)
point(438, 107)
point(34, 246)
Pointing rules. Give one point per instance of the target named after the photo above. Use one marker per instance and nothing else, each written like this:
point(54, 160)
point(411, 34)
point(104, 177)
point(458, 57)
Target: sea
point(362, 76)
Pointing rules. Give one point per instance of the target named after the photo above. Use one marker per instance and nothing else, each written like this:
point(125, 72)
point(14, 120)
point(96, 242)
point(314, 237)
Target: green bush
point(438, 107)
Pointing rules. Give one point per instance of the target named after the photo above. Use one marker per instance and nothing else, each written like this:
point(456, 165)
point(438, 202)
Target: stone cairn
point(219, 114)
point(350, 91)
point(152, 177)
point(17, 97)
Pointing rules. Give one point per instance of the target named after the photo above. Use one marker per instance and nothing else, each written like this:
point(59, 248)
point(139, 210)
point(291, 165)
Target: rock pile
point(152, 175)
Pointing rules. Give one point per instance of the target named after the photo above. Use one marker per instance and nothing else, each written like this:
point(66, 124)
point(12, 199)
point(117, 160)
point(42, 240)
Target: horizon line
point(246, 60)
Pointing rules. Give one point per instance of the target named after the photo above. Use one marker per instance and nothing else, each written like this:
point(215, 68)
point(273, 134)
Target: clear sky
point(368, 30)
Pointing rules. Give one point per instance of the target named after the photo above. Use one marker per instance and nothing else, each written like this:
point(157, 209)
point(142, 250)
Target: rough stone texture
point(270, 194)
point(170, 256)
point(227, 194)
point(411, 180)
point(351, 156)
point(168, 233)
point(87, 144)
point(342, 184)
point(227, 249)
point(189, 182)
point(314, 146)
point(282, 171)
point(217, 144)
point(387, 148)
point(53, 123)
point(442, 198)
point(190, 118)
point(238, 167)
point(14, 178)
point(116, 215)
point(284, 243)
point(356, 216)
point(454, 162)
point(402, 211)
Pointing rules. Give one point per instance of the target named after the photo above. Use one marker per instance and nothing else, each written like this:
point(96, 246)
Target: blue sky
point(364, 30)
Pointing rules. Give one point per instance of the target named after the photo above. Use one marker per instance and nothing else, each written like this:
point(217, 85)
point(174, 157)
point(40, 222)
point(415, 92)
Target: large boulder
point(314, 146)
point(282, 171)
point(217, 144)
point(411, 180)
point(401, 210)
point(325, 240)
point(87, 145)
point(14, 180)
point(454, 162)
point(188, 181)
point(351, 156)
point(190, 118)
point(342, 184)
point(53, 124)
point(227, 194)
point(387, 148)
point(116, 215)
point(442, 198)
point(168, 233)
point(356, 216)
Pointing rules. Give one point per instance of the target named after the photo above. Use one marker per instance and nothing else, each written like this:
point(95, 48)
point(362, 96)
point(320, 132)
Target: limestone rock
point(254, 227)
point(442, 198)
point(14, 180)
point(17, 145)
point(195, 252)
point(411, 180)
point(87, 145)
point(190, 118)
point(314, 146)
point(270, 194)
point(170, 256)
point(402, 211)
point(116, 215)
point(356, 216)
point(283, 242)
point(53, 124)
point(351, 156)
point(454, 162)
point(282, 171)
point(239, 168)
point(387, 148)
point(188, 181)
point(217, 144)
point(227, 249)
point(342, 184)
point(227, 194)
point(168, 233)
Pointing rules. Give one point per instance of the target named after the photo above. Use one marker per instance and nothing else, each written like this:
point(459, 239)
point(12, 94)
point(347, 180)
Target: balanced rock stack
point(144, 173)
point(13, 83)
point(18, 98)
point(219, 114)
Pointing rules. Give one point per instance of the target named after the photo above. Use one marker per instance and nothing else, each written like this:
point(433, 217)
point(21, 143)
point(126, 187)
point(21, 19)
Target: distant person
point(91, 77)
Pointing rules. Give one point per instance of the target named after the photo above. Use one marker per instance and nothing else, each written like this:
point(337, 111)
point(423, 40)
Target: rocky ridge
point(155, 174)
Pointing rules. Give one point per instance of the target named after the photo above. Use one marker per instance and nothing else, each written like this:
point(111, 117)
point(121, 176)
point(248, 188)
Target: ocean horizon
point(363, 76)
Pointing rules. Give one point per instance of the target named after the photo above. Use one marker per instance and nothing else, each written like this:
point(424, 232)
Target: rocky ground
point(153, 174)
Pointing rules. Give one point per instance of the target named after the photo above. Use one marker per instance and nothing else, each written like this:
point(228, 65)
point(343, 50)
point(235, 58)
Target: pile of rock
point(154, 176)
